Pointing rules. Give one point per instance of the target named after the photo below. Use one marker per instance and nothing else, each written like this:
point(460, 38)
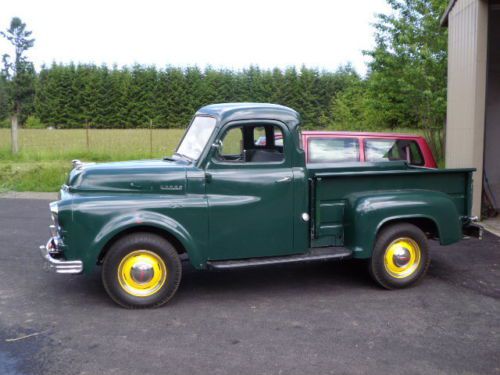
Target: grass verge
point(45, 155)
point(33, 176)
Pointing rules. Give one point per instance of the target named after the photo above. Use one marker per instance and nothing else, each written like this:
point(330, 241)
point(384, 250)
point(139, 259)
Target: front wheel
point(400, 256)
point(141, 270)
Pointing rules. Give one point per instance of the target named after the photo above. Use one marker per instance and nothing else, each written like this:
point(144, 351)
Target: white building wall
point(467, 46)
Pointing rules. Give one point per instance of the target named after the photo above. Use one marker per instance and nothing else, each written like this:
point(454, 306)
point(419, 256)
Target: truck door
point(250, 191)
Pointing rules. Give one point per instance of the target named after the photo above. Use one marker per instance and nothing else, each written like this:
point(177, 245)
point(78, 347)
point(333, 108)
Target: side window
point(232, 145)
point(259, 136)
point(252, 144)
point(392, 149)
point(382, 150)
point(415, 154)
point(278, 137)
point(333, 150)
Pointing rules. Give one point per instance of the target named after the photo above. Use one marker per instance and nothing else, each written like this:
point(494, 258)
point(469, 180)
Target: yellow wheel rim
point(142, 273)
point(402, 257)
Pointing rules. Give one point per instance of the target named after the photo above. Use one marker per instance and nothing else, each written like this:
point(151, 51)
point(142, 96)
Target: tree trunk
point(14, 134)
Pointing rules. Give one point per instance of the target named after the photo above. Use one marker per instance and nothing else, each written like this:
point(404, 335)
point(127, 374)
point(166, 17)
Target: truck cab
point(225, 200)
point(261, 190)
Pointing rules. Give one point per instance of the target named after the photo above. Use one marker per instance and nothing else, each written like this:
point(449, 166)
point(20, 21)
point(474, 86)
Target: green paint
point(231, 210)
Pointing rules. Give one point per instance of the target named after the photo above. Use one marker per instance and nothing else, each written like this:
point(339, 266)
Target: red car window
point(393, 149)
point(328, 150)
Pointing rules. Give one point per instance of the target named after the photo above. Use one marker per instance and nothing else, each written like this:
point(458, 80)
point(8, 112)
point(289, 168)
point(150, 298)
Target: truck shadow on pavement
point(278, 279)
point(450, 265)
point(273, 280)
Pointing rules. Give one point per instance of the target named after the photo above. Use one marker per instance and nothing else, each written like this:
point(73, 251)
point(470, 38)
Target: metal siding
point(467, 41)
point(492, 126)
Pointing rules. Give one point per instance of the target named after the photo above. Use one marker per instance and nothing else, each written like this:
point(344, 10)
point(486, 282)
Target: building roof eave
point(444, 19)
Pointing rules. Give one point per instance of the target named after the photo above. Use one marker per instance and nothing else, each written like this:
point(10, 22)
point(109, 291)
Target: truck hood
point(144, 176)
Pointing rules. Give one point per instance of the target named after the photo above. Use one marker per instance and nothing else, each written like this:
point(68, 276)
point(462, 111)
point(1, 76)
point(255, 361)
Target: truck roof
point(225, 112)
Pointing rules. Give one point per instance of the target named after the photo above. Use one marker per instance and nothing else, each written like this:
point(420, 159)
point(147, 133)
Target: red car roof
point(360, 134)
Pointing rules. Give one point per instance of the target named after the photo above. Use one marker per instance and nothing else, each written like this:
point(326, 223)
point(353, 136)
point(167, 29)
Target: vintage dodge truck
point(224, 201)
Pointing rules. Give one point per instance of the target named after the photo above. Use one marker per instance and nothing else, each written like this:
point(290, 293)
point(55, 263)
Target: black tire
point(153, 244)
point(378, 269)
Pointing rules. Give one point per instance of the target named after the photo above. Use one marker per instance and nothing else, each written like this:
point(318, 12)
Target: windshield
point(196, 137)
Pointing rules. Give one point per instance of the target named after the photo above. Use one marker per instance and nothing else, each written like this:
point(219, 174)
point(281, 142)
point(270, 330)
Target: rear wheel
point(400, 256)
point(141, 270)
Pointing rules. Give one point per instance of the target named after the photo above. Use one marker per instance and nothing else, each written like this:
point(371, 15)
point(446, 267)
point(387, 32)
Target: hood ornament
point(77, 164)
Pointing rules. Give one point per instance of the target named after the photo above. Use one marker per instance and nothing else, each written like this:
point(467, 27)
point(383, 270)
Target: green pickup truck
point(224, 201)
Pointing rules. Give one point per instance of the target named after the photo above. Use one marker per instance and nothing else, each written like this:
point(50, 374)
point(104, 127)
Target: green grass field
point(101, 144)
point(45, 155)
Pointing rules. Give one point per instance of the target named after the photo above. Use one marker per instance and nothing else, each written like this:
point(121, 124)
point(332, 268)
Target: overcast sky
point(221, 33)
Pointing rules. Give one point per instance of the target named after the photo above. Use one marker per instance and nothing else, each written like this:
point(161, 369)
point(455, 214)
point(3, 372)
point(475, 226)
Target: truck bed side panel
point(352, 204)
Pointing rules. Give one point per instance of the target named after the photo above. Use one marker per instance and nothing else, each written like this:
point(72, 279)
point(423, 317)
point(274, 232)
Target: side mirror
point(217, 145)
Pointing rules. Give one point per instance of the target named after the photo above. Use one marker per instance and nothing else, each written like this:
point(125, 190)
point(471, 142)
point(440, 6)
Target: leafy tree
point(69, 95)
point(18, 75)
point(194, 86)
point(348, 107)
point(4, 100)
point(407, 78)
point(175, 105)
point(291, 89)
point(117, 86)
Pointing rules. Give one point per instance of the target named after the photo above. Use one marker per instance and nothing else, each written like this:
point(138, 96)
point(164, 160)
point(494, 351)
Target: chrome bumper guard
point(58, 265)
point(473, 229)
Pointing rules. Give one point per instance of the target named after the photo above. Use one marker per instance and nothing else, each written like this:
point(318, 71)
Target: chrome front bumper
point(53, 262)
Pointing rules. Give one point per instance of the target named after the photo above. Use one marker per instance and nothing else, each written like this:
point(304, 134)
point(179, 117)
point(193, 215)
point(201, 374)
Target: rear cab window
point(260, 137)
point(252, 144)
point(333, 150)
point(393, 149)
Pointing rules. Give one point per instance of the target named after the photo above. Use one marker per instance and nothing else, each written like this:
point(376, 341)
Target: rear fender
point(367, 212)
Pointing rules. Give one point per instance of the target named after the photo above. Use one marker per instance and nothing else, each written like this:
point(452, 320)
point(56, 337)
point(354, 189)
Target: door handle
point(284, 179)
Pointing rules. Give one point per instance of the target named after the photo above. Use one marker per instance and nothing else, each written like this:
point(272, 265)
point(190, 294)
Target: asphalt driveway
point(296, 319)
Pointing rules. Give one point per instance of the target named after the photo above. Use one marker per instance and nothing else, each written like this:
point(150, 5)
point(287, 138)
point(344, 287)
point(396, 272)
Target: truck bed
point(333, 187)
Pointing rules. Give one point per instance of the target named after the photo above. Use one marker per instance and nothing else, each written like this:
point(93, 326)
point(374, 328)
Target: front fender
point(96, 220)
point(145, 219)
point(367, 212)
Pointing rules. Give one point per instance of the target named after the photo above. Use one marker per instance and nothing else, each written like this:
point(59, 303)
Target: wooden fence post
point(14, 134)
point(151, 138)
point(87, 135)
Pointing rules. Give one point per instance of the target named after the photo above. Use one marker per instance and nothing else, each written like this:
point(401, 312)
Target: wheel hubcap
point(142, 273)
point(402, 257)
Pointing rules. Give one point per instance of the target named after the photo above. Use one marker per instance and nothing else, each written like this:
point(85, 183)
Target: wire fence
point(113, 142)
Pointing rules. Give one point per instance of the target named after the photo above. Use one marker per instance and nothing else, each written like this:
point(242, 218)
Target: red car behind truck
point(339, 146)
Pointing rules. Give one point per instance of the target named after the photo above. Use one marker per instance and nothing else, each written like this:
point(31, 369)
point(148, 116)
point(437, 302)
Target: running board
point(314, 254)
